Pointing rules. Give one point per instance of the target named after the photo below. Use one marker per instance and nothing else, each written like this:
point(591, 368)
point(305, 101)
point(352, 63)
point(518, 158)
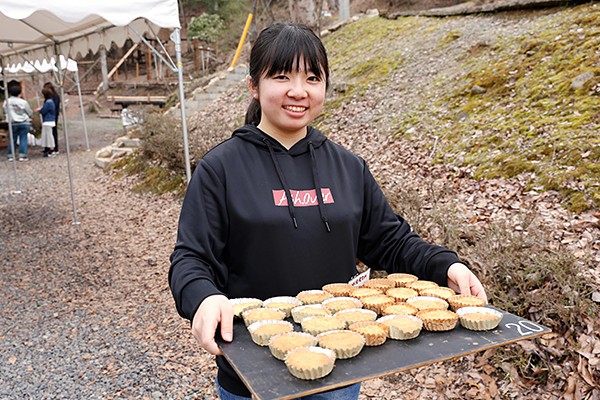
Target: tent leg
point(11, 143)
point(66, 135)
point(176, 37)
point(85, 132)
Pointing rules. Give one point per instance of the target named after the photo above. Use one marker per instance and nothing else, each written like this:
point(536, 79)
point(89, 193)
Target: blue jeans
point(20, 131)
point(347, 393)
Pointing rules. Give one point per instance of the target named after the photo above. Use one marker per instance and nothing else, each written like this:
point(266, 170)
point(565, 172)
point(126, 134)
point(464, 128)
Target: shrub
point(206, 27)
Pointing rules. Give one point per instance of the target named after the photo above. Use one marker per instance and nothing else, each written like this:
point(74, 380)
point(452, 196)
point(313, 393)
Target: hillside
point(483, 132)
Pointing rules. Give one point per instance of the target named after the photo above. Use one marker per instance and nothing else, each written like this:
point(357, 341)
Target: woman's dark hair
point(279, 49)
point(50, 86)
point(48, 93)
point(14, 90)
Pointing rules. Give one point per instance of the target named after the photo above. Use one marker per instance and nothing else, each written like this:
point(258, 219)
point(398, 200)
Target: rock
point(461, 116)
point(580, 80)
point(105, 152)
point(478, 90)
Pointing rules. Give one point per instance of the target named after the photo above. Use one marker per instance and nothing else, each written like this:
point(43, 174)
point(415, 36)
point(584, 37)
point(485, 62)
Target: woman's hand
point(214, 310)
point(463, 281)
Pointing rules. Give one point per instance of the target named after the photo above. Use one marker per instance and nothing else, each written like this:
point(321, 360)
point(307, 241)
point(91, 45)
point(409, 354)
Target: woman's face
point(289, 102)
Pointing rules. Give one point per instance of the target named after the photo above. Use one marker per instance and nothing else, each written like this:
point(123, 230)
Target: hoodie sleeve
point(387, 241)
point(197, 268)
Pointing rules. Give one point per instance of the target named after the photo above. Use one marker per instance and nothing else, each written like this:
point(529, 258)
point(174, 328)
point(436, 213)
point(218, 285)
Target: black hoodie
point(239, 235)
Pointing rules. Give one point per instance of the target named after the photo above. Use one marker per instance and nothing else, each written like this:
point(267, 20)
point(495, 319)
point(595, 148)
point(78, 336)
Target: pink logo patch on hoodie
point(302, 198)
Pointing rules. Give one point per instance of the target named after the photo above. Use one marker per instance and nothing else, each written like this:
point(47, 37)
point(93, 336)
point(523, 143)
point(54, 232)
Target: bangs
point(290, 49)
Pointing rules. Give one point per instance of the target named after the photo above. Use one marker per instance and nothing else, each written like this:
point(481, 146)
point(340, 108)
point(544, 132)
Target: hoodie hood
point(252, 134)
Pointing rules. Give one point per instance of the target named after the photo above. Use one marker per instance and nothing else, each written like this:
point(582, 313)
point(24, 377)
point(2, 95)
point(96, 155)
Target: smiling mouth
point(295, 108)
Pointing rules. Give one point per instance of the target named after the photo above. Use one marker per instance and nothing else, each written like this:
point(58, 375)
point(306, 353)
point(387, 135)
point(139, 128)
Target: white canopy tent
point(27, 67)
point(42, 29)
point(45, 66)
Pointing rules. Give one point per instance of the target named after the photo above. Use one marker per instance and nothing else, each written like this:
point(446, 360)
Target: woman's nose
point(297, 89)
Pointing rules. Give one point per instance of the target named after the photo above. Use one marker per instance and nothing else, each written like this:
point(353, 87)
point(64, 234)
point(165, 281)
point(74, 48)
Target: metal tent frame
point(42, 29)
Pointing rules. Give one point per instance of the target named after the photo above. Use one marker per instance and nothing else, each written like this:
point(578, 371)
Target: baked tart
point(339, 289)
point(336, 304)
point(310, 362)
point(262, 331)
point(400, 309)
point(401, 293)
point(320, 324)
point(438, 320)
point(361, 292)
point(465, 300)
point(309, 310)
point(402, 327)
point(353, 315)
point(379, 283)
point(345, 344)
point(262, 314)
point(442, 292)
point(241, 304)
point(377, 303)
point(421, 285)
point(479, 318)
point(428, 302)
point(313, 296)
point(402, 279)
point(283, 303)
point(375, 333)
point(282, 343)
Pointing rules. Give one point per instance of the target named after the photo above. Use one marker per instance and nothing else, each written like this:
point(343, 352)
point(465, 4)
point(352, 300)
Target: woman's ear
point(253, 89)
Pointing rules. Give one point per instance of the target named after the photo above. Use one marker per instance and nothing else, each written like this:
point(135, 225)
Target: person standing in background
point(18, 112)
point(48, 113)
point(56, 100)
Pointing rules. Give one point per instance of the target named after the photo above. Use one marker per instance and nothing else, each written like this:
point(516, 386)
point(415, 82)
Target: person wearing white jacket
point(18, 113)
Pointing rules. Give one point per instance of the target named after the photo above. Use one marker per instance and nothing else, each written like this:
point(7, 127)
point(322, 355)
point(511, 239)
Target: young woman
point(48, 113)
point(278, 208)
point(56, 100)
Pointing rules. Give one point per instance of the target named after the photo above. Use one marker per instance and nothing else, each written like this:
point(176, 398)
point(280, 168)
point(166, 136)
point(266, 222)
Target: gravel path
point(85, 309)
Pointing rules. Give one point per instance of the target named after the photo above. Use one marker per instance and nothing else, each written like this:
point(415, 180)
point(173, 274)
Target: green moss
point(152, 177)
point(450, 37)
point(354, 63)
point(529, 111)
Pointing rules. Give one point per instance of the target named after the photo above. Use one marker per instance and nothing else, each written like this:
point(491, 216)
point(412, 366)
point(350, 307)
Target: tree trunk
point(307, 12)
point(344, 7)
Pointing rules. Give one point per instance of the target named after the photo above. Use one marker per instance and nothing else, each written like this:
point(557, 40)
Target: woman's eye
point(279, 77)
point(314, 78)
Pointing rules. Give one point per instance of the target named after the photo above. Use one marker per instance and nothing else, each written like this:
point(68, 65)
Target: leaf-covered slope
point(499, 95)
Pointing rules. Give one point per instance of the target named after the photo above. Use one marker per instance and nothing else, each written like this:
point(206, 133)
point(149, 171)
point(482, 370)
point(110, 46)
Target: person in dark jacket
point(48, 112)
point(278, 208)
point(56, 100)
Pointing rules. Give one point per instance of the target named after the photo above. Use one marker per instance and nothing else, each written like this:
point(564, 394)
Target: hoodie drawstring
point(317, 183)
point(286, 188)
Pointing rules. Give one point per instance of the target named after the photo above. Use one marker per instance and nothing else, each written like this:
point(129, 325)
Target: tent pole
point(87, 142)
point(65, 133)
point(176, 37)
point(11, 143)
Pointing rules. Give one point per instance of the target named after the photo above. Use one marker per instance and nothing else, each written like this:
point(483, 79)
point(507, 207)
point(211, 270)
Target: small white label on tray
point(360, 279)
